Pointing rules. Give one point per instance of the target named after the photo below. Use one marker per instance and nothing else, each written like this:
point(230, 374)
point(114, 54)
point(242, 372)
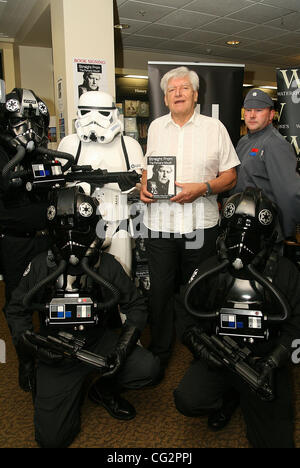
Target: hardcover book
point(161, 176)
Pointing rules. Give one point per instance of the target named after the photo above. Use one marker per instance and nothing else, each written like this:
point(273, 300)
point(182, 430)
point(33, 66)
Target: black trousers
point(172, 261)
point(268, 424)
point(60, 390)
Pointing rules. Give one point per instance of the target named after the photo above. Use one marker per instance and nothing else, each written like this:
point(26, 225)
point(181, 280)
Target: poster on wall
point(220, 91)
point(61, 126)
point(60, 102)
point(2, 91)
point(89, 75)
point(288, 96)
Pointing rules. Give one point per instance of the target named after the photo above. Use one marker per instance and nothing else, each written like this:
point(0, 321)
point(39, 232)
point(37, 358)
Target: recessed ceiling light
point(233, 43)
point(122, 26)
point(137, 76)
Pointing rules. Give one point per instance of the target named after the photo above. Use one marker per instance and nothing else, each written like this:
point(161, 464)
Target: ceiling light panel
point(218, 8)
point(144, 11)
point(259, 13)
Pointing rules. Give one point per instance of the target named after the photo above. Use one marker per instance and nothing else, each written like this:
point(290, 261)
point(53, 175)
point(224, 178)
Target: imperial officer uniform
point(268, 162)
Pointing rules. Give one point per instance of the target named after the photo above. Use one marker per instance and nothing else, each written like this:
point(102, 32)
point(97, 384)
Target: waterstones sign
point(220, 91)
point(288, 94)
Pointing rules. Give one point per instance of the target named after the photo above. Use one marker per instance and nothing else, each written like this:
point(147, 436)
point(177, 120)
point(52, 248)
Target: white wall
point(36, 73)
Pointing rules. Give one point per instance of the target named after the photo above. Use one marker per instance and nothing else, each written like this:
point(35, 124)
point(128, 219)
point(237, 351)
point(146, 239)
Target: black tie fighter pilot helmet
point(24, 120)
point(72, 222)
point(249, 225)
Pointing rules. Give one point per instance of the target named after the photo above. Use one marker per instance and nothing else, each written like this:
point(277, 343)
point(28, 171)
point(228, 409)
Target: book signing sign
point(89, 75)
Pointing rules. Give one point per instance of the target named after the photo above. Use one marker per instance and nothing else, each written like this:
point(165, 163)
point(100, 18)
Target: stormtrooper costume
point(99, 143)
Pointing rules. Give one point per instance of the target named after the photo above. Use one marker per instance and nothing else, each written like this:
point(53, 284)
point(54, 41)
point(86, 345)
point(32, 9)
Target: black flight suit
point(269, 424)
point(22, 221)
point(59, 388)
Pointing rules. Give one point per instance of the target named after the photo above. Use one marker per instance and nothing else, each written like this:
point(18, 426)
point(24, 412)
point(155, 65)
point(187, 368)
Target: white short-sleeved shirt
point(203, 149)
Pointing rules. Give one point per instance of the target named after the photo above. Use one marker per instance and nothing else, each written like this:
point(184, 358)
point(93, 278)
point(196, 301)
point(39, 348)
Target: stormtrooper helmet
point(24, 119)
point(98, 118)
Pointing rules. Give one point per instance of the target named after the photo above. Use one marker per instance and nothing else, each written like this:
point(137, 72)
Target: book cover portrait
point(161, 176)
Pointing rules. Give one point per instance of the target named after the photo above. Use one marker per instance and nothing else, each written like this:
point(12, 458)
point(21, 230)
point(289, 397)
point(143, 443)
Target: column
point(82, 39)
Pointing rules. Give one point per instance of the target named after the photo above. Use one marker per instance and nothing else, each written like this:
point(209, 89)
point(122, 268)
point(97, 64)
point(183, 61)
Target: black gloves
point(267, 365)
point(126, 181)
point(27, 348)
point(279, 357)
point(191, 339)
point(126, 343)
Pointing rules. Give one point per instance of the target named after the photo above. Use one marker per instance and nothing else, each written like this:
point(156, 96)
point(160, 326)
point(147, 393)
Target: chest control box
point(242, 322)
point(72, 310)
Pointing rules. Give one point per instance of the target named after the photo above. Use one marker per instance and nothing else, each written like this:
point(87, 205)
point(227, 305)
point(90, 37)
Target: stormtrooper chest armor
point(113, 205)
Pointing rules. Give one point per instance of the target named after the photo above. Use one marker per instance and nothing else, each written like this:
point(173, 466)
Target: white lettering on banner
point(295, 77)
point(294, 142)
point(215, 110)
point(282, 104)
point(2, 352)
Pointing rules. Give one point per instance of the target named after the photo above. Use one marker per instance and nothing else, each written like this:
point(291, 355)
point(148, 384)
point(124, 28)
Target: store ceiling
point(13, 13)
point(268, 30)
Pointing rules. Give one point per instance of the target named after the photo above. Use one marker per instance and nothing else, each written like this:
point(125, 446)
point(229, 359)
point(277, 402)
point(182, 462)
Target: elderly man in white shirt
point(182, 231)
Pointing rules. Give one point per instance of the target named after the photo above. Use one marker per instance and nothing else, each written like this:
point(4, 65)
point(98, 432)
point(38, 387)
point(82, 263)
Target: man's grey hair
point(179, 73)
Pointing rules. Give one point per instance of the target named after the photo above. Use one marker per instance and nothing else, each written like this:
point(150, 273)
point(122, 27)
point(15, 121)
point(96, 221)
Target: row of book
point(131, 108)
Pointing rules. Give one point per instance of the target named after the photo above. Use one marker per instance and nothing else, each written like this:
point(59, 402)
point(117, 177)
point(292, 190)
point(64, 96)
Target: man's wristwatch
point(208, 190)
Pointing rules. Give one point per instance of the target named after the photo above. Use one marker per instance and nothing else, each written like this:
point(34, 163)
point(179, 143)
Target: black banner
point(288, 95)
point(220, 92)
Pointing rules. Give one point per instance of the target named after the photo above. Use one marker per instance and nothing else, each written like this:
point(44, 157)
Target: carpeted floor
point(157, 424)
